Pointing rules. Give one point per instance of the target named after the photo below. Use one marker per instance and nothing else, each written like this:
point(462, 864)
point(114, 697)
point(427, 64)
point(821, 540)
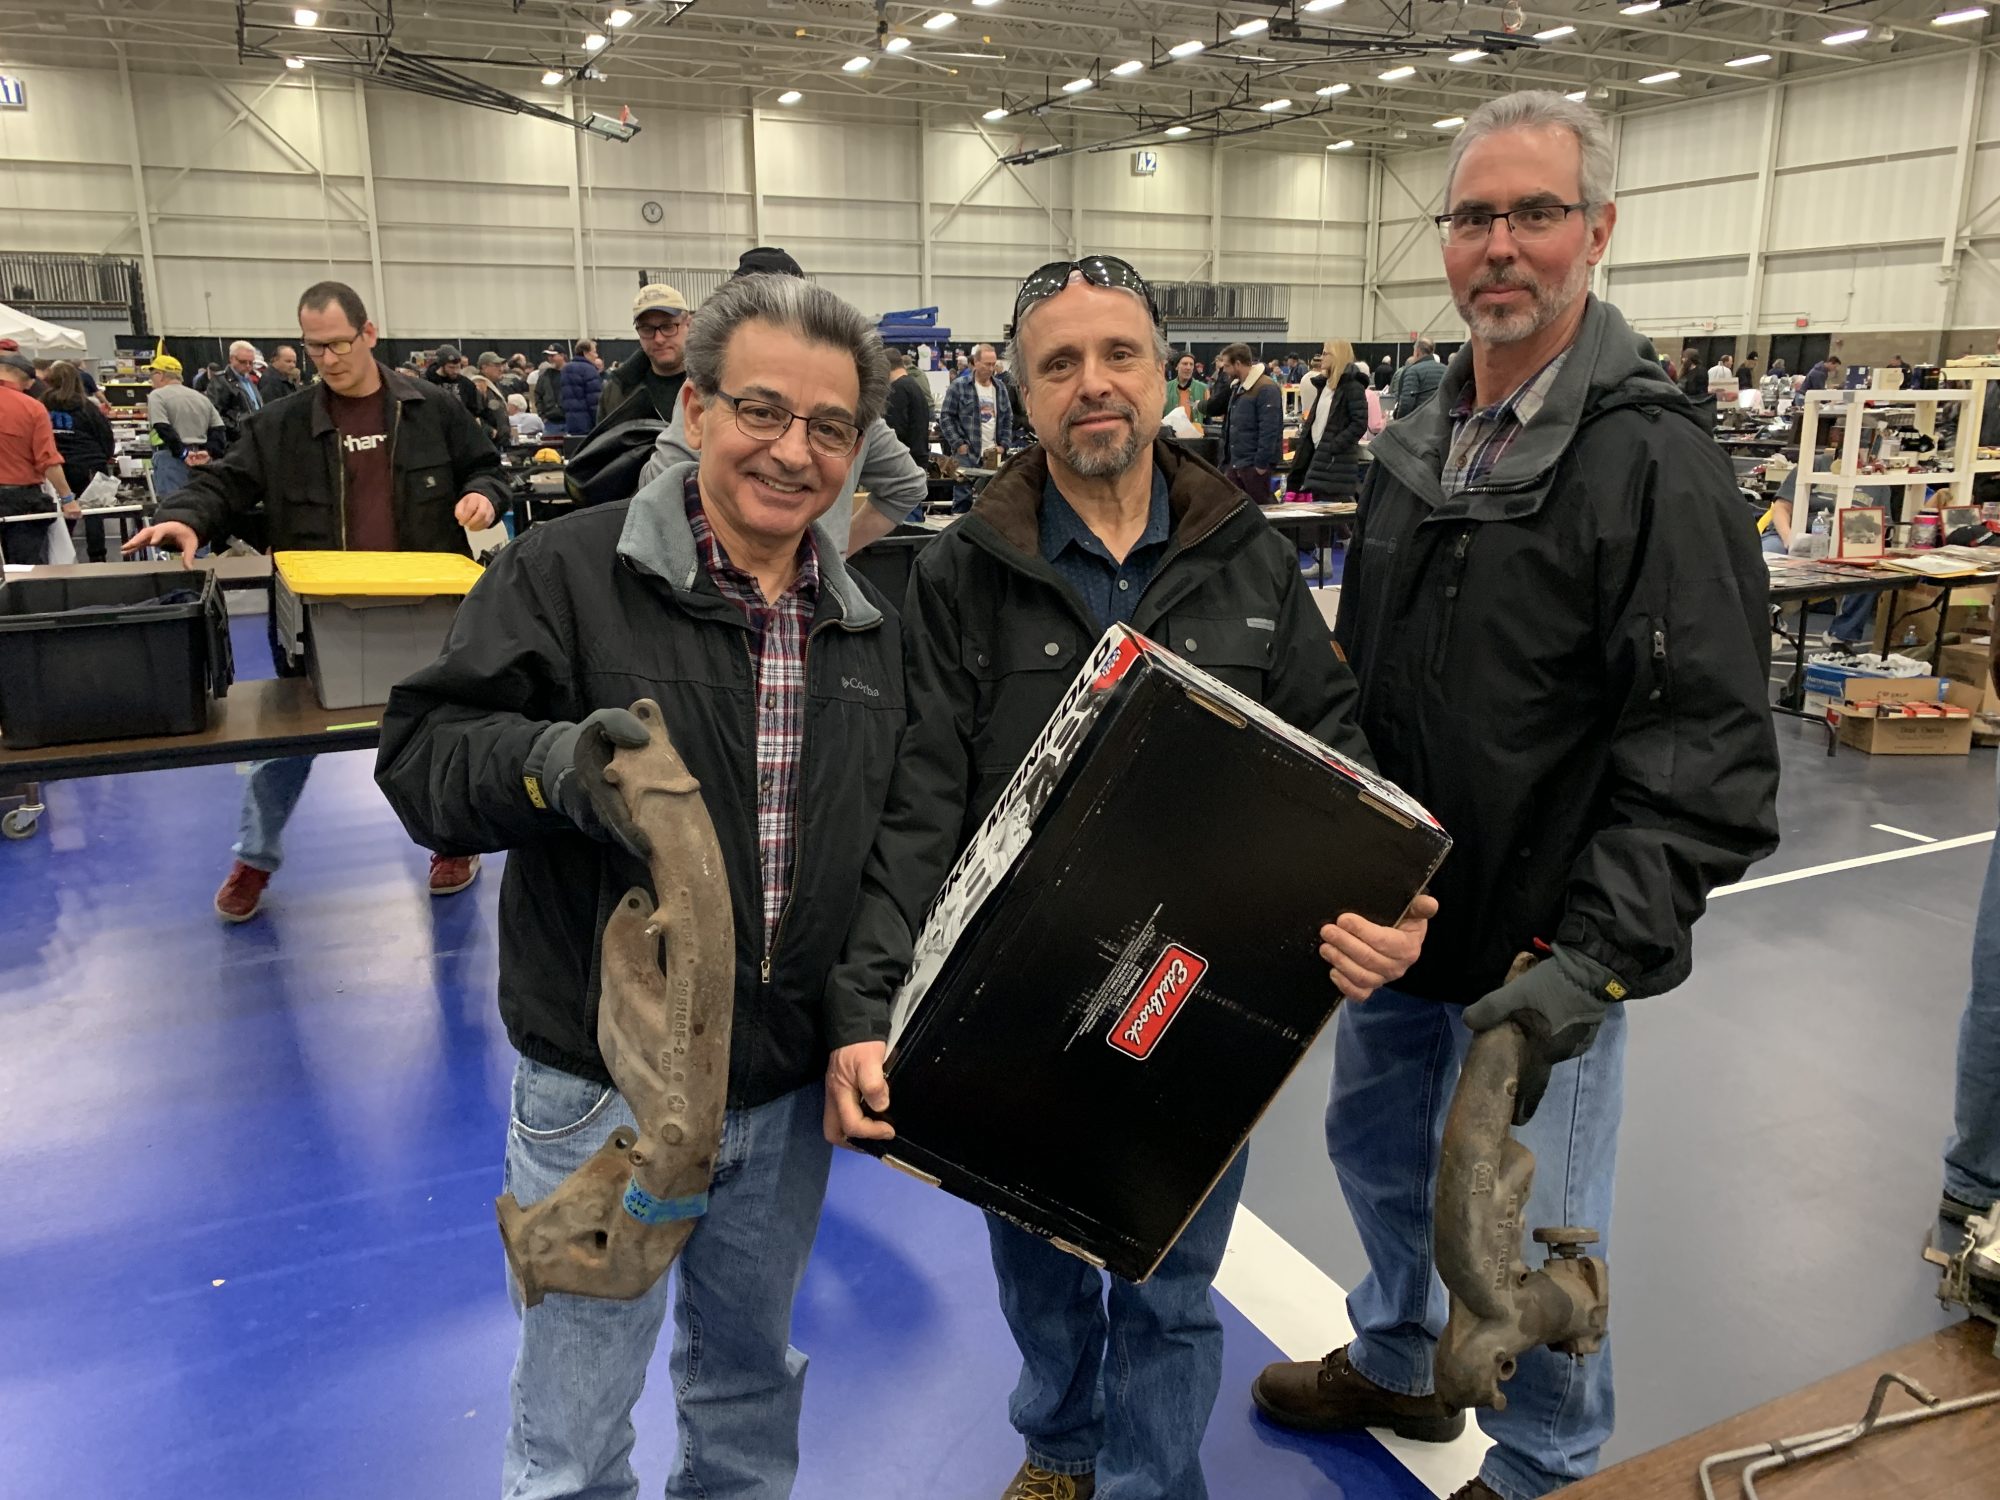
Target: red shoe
point(242, 893)
point(452, 873)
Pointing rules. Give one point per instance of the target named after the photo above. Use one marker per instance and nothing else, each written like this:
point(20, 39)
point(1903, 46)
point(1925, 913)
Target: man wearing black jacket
point(1102, 523)
point(373, 461)
point(714, 592)
point(908, 413)
point(1557, 614)
point(1252, 409)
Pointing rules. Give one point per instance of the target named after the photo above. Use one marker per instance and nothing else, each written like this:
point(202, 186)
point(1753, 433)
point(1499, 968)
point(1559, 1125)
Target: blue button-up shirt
point(1109, 589)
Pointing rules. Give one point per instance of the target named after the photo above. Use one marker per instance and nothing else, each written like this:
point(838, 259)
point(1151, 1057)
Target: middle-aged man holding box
point(716, 592)
point(1557, 614)
point(1101, 524)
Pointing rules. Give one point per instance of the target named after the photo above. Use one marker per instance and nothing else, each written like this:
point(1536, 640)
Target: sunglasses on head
point(1098, 270)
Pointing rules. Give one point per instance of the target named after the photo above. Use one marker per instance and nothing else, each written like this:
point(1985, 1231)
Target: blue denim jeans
point(270, 792)
point(1395, 1065)
point(1120, 1382)
point(170, 474)
point(1972, 1155)
point(737, 1381)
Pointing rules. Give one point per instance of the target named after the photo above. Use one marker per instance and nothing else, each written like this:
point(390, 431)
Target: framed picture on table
point(1955, 518)
point(1861, 533)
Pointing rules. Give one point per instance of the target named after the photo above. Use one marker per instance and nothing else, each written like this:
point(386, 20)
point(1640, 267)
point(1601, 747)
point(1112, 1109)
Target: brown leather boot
point(1475, 1489)
point(1032, 1483)
point(1331, 1396)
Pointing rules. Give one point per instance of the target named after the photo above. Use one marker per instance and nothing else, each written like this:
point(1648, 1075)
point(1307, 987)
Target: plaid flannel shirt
point(778, 658)
point(1480, 439)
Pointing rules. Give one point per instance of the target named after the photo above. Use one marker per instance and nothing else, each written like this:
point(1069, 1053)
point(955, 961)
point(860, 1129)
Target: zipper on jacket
point(1451, 593)
point(798, 800)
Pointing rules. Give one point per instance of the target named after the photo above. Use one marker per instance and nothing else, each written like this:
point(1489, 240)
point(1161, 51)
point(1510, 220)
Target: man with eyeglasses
point(1556, 611)
point(1104, 522)
point(649, 383)
point(369, 461)
point(717, 592)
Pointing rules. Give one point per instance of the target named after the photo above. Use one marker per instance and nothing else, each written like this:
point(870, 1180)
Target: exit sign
point(13, 92)
point(1801, 322)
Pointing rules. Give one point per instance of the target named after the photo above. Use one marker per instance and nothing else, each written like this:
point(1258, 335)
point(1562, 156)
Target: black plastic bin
point(889, 562)
point(93, 657)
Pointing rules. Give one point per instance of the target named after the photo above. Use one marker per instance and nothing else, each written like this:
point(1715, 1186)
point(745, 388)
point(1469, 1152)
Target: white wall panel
point(1860, 203)
point(1883, 112)
point(1694, 143)
point(1716, 218)
point(1662, 300)
point(1852, 290)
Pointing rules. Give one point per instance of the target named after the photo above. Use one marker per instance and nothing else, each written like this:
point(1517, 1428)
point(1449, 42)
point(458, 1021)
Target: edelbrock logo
point(1159, 999)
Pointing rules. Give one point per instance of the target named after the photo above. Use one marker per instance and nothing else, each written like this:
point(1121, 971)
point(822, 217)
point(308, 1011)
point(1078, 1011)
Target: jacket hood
point(657, 539)
point(1198, 497)
point(1605, 371)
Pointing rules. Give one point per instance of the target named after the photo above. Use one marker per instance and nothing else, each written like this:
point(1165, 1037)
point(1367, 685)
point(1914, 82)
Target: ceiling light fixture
point(857, 65)
point(1471, 54)
point(790, 96)
point(1577, 96)
point(1178, 129)
point(619, 17)
point(1643, 7)
point(1127, 69)
point(1078, 85)
point(1186, 49)
point(1319, 5)
point(1275, 106)
point(1332, 89)
point(939, 21)
point(595, 42)
point(1842, 38)
point(1450, 122)
point(1667, 77)
point(304, 17)
point(1554, 33)
point(295, 63)
point(896, 44)
point(1252, 27)
point(1959, 17)
point(1748, 62)
point(552, 78)
point(1396, 75)
point(998, 112)
point(1341, 146)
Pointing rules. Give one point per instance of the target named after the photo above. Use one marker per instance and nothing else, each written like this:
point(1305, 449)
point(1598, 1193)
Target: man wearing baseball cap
point(649, 383)
point(28, 455)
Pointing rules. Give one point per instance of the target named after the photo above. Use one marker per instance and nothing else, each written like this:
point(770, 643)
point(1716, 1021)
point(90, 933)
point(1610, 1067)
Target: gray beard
point(1547, 304)
point(1099, 460)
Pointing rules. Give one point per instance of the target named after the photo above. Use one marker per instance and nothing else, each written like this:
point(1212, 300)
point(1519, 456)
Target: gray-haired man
point(700, 592)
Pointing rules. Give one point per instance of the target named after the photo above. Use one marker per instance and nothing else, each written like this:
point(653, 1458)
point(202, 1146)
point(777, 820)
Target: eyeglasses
point(1537, 221)
point(1098, 270)
point(658, 330)
point(829, 436)
point(338, 348)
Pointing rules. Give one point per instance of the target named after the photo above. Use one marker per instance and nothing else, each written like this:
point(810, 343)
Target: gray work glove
point(1558, 1004)
point(566, 768)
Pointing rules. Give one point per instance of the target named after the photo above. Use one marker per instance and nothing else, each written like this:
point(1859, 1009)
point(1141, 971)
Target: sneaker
point(242, 893)
point(1477, 1489)
point(452, 873)
point(1332, 1396)
point(1033, 1483)
point(1956, 1211)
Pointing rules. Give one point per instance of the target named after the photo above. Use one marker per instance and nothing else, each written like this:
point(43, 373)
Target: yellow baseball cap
point(167, 363)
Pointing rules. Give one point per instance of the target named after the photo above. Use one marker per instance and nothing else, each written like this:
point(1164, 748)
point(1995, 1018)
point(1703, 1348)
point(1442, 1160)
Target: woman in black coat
point(1327, 462)
point(83, 438)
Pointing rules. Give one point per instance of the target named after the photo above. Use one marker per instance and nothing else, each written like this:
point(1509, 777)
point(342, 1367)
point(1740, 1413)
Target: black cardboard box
point(1122, 969)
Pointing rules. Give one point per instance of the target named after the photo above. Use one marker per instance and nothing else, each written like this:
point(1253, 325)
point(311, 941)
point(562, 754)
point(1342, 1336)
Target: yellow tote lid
point(376, 575)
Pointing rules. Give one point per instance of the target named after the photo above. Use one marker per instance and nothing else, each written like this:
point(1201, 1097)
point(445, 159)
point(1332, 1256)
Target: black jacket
point(284, 480)
point(909, 416)
point(1331, 468)
point(546, 397)
point(1567, 666)
point(609, 606)
point(232, 401)
point(276, 385)
point(992, 639)
point(1253, 421)
point(489, 412)
point(83, 438)
point(1416, 383)
point(628, 395)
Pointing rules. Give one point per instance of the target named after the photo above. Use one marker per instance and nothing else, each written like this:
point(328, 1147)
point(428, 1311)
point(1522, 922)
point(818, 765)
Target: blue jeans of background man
point(170, 474)
point(1396, 1061)
point(1972, 1155)
point(737, 1381)
point(1120, 1382)
point(270, 792)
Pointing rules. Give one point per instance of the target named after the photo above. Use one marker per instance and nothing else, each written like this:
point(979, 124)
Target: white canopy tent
point(36, 337)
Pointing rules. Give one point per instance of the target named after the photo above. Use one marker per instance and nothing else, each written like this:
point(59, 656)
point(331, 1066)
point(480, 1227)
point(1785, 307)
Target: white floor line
point(1903, 833)
point(1302, 1310)
point(1936, 847)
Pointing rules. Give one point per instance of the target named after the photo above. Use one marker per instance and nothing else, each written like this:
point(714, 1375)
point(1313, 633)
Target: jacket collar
point(657, 540)
point(402, 390)
point(1605, 371)
point(1250, 381)
point(1198, 498)
point(632, 371)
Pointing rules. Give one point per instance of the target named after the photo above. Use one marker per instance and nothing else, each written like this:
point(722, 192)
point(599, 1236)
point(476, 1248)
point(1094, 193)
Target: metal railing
point(1205, 301)
point(73, 286)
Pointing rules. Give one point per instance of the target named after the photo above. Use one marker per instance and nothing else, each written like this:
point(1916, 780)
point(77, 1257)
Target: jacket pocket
point(1232, 650)
point(1020, 677)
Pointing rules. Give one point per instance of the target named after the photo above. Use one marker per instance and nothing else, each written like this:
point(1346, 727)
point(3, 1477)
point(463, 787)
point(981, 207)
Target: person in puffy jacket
point(1327, 463)
point(582, 386)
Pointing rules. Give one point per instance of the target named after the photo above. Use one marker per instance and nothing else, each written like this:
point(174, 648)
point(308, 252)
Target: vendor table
point(1312, 526)
point(1952, 1458)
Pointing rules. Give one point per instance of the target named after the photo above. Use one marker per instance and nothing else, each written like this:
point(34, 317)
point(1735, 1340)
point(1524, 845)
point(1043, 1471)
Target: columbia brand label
point(1158, 1000)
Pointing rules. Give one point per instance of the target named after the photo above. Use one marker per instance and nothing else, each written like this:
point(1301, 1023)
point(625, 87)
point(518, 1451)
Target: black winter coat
point(1331, 467)
point(283, 484)
point(84, 439)
point(909, 416)
point(993, 638)
point(610, 606)
point(1567, 665)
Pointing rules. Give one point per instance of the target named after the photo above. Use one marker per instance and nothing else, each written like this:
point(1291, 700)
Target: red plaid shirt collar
point(738, 586)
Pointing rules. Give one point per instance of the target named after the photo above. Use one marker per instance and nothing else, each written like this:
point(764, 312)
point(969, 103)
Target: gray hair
point(1540, 108)
point(801, 307)
point(242, 346)
point(1017, 359)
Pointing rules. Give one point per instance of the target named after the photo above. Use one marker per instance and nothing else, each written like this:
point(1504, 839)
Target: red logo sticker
point(1159, 999)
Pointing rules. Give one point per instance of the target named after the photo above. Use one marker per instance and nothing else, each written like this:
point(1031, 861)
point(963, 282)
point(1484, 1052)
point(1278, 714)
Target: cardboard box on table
point(1122, 969)
point(1876, 718)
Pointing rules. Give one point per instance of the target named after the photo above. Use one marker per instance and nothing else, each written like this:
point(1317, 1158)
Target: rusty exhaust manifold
point(1499, 1307)
point(616, 1224)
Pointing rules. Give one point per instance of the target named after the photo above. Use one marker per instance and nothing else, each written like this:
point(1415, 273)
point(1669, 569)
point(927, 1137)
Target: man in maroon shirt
point(374, 462)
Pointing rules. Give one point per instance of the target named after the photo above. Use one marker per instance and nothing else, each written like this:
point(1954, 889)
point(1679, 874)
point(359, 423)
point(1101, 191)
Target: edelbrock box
point(1122, 968)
